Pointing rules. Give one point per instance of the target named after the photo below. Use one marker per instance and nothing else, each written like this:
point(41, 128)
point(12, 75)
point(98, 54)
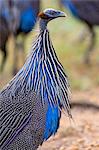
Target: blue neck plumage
point(44, 74)
point(43, 81)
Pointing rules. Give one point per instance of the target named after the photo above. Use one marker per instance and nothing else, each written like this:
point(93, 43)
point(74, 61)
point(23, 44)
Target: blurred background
point(77, 46)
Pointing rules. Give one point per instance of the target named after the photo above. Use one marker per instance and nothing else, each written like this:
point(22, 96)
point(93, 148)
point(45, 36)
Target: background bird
point(4, 33)
point(31, 103)
point(8, 25)
point(88, 12)
point(24, 16)
point(28, 11)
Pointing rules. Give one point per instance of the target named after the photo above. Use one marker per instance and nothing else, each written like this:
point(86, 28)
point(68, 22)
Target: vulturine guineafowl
point(28, 11)
point(8, 25)
point(16, 17)
point(88, 12)
point(28, 14)
point(32, 102)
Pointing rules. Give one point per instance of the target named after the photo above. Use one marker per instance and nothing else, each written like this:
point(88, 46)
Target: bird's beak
point(45, 15)
point(62, 14)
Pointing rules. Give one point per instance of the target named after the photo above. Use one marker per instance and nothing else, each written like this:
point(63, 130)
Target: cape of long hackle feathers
point(44, 74)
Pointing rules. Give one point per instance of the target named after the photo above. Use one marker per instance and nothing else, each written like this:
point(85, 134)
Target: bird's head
point(50, 14)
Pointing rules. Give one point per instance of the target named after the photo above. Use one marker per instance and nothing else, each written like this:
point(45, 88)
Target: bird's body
point(32, 101)
point(88, 12)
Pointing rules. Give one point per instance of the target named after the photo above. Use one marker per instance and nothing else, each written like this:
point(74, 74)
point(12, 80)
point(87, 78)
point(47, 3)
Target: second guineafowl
point(16, 17)
point(8, 25)
point(88, 12)
point(31, 103)
point(28, 11)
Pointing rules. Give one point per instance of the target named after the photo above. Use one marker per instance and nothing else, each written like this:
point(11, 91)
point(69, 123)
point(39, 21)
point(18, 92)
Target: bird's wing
point(15, 114)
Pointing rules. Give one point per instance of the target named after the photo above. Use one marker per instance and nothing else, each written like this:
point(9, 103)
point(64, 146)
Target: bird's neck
point(43, 24)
